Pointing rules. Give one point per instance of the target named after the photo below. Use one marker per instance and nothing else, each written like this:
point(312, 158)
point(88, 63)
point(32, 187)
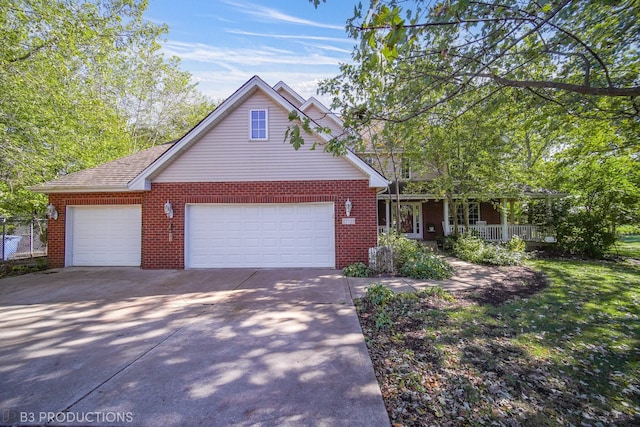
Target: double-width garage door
point(260, 235)
point(103, 235)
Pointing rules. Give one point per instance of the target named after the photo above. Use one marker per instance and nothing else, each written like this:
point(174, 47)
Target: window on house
point(405, 172)
point(474, 214)
point(258, 119)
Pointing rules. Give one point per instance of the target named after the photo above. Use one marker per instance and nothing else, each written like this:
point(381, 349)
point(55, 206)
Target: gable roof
point(135, 172)
point(283, 87)
point(143, 180)
point(111, 176)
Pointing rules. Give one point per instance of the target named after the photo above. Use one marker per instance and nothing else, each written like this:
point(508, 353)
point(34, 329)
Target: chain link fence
point(23, 238)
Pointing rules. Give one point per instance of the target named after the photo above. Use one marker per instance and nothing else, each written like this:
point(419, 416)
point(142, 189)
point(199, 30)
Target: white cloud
point(221, 85)
point(292, 36)
point(326, 47)
point(273, 15)
point(226, 57)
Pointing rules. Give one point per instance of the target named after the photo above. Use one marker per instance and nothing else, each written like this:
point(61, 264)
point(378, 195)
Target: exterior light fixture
point(347, 207)
point(52, 213)
point(168, 209)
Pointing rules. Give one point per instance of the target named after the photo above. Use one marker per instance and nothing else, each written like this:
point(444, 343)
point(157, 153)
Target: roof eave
point(81, 189)
point(376, 180)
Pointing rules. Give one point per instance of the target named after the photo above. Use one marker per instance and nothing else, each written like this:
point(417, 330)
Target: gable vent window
point(258, 119)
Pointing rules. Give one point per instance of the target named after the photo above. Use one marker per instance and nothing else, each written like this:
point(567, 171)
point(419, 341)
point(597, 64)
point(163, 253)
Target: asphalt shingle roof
point(114, 174)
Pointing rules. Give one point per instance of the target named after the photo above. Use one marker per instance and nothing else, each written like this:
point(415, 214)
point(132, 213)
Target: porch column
point(512, 212)
point(505, 225)
point(387, 206)
point(445, 208)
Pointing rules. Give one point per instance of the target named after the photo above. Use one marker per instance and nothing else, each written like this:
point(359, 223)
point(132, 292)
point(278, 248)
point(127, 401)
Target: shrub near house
point(410, 259)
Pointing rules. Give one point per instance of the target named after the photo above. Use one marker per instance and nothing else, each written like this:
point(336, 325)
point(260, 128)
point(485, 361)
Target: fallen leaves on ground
point(496, 357)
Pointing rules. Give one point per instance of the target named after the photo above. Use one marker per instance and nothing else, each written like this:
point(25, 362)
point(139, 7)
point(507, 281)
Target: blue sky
point(223, 43)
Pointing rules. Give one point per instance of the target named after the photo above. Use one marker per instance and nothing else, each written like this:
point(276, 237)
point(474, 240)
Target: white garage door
point(104, 235)
point(260, 235)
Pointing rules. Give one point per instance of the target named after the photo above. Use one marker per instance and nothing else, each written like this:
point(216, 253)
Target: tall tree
point(562, 77)
point(69, 73)
point(599, 169)
point(567, 52)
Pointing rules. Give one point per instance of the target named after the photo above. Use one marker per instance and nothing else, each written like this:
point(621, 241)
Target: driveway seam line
point(406, 282)
point(346, 281)
point(125, 367)
point(245, 280)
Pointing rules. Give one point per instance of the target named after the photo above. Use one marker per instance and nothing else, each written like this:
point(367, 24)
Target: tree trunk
point(465, 209)
point(454, 213)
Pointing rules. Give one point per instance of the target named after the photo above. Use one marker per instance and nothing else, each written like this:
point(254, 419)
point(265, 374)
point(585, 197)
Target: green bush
point(585, 234)
point(516, 244)
point(469, 248)
point(412, 259)
point(402, 247)
point(358, 269)
point(628, 230)
point(473, 249)
point(427, 266)
point(378, 295)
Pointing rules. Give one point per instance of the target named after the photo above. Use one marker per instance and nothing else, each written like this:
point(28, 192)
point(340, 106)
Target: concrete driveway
point(99, 346)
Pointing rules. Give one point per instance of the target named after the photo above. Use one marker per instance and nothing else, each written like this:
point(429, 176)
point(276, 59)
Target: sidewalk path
point(466, 276)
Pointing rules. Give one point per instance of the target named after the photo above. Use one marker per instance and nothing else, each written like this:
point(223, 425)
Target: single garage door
point(104, 235)
point(260, 235)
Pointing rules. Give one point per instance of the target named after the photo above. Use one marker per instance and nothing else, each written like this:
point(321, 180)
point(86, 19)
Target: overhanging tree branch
point(581, 89)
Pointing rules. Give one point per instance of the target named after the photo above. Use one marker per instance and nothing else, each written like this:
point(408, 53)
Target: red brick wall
point(352, 241)
point(433, 213)
point(56, 228)
point(490, 213)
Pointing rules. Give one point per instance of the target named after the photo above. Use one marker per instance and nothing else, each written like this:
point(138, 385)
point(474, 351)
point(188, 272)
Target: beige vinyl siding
point(418, 172)
point(286, 95)
point(322, 119)
point(226, 154)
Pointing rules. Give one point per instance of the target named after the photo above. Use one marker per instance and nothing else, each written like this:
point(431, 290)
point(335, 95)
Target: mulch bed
point(519, 282)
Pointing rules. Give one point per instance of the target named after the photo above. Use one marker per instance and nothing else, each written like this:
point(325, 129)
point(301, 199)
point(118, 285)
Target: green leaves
point(303, 127)
point(82, 83)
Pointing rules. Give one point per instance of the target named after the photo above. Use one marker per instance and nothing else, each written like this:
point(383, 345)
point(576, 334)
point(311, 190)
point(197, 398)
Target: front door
point(410, 219)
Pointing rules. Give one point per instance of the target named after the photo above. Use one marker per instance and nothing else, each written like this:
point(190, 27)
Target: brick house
point(230, 193)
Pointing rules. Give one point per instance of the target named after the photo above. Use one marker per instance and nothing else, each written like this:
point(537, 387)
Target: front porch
point(498, 232)
point(425, 220)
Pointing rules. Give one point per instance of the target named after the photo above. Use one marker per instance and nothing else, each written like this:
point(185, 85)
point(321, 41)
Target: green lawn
point(569, 355)
point(627, 246)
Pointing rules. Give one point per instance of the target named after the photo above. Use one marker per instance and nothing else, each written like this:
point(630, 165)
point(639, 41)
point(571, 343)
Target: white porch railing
point(493, 232)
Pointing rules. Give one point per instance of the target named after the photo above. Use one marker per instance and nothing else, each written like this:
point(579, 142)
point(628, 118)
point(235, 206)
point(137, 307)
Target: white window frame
point(461, 213)
point(405, 170)
point(266, 124)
